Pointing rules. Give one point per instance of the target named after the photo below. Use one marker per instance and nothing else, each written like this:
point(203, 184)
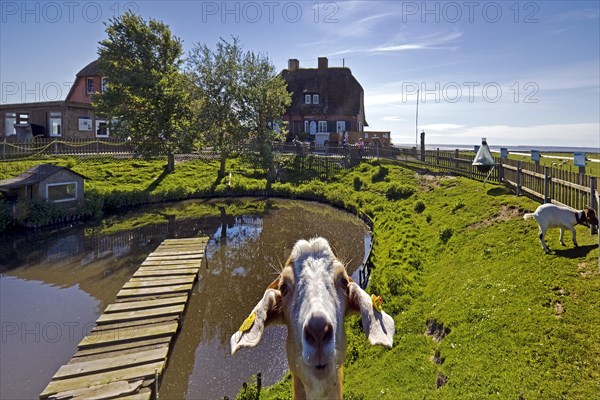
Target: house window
point(104, 85)
point(307, 98)
point(323, 127)
point(55, 123)
point(101, 128)
point(340, 126)
point(59, 192)
point(306, 126)
point(10, 119)
point(22, 118)
point(89, 85)
point(85, 123)
point(315, 99)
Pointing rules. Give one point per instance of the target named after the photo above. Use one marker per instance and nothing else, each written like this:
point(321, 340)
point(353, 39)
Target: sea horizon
point(511, 148)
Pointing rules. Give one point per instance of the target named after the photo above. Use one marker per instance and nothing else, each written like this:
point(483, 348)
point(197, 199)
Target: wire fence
point(543, 183)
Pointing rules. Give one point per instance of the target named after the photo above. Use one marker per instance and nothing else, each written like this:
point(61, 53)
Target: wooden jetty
point(125, 354)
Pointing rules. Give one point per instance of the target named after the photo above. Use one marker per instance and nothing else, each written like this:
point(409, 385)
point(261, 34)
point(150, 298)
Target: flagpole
point(417, 123)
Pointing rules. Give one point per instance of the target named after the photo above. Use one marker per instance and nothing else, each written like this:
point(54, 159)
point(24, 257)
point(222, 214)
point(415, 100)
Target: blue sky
point(518, 73)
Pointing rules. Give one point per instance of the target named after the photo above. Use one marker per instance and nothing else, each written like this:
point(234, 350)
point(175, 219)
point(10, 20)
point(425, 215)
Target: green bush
point(6, 219)
point(445, 234)
point(458, 206)
point(419, 207)
point(40, 212)
point(357, 183)
point(397, 191)
point(380, 175)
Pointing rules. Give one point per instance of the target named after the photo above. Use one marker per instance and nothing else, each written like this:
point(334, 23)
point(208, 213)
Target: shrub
point(380, 174)
point(419, 207)
point(40, 212)
point(357, 183)
point(6, 219)
point(445, 234)
point(396, 191)
point(458, 206)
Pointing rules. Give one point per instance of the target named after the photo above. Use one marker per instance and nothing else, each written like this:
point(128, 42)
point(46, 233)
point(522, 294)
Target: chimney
point(293, 65)
point(323, 63)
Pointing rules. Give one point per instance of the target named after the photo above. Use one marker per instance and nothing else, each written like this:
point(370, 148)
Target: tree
point(264, 101)
point(217, 76)
point(148, 98)
point(242, 95)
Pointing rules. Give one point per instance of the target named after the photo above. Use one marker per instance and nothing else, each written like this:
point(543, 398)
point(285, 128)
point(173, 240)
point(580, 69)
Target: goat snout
point(318, 330)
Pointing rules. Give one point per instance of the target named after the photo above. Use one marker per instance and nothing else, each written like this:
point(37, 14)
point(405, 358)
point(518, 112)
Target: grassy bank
point(450, 254)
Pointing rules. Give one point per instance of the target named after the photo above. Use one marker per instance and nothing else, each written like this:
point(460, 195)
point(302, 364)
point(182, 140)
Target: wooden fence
point(545, 184)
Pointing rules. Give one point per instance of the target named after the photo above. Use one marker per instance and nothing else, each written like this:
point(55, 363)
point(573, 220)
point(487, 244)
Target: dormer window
point(311, 99)
point(89, 85)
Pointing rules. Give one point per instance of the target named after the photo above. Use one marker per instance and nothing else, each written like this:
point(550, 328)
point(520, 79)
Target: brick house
point(72, 118)
point(327, 104)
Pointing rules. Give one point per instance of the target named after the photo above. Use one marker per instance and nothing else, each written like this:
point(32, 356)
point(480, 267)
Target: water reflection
point(60, 280)
point(243, 257)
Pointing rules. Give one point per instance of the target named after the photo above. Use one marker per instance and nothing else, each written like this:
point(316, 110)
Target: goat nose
point(318, 330)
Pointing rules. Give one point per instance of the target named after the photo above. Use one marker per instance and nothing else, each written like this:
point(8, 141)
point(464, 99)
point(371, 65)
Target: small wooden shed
point(55, 184)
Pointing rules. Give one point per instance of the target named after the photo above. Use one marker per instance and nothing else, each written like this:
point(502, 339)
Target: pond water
point(55, 283)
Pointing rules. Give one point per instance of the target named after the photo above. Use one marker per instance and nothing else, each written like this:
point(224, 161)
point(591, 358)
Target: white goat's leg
point(574, 237)
point(562, 232)
point(541, 236)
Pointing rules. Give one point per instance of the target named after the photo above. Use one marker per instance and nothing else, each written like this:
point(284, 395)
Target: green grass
point(522, 324)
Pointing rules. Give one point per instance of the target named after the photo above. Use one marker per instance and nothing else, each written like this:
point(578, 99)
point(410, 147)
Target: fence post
point(500, 171)
point(547, 184)
point(455, 158)
point(518, 178)
point(4, 149)
point(593, 198)
point(97, 146)
point(437, 156)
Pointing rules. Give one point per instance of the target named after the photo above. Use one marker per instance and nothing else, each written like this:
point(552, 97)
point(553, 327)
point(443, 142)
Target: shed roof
point(33, 175)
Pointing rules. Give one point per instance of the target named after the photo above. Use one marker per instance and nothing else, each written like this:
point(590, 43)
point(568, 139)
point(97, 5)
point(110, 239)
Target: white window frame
point(85, 124)
point(98, 122)
point(103, 85)
point(322, 127)
point(307, 99)
point(88, 89)
point(307, 126)
point(74, 198)
point(315, 99)
point(10, 119)
point(54, 115)
point(337, 126)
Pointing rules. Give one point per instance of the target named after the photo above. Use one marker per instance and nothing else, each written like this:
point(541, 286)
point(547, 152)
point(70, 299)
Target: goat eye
point(284, 289)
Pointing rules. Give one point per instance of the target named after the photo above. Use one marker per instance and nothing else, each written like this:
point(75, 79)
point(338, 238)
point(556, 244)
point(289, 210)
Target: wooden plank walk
point(127, 351)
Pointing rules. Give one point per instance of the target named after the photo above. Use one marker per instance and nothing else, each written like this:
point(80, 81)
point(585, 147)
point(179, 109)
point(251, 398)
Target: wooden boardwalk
point(126, 353)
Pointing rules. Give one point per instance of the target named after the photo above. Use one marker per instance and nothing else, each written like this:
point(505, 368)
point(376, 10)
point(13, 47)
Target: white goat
point(312, 295)
point(553, 216)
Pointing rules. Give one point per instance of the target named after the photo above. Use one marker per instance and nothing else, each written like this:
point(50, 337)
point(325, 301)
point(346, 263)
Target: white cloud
point(436, 41)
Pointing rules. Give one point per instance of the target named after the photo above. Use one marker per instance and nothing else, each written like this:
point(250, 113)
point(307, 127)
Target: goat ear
point(378, 326)
point(266, 311)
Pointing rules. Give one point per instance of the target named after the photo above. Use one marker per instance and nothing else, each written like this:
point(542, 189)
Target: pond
point(55, 283)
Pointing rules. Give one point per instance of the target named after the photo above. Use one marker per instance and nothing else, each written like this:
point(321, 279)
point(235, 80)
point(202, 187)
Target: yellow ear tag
point(248, 322)
point(377, 302)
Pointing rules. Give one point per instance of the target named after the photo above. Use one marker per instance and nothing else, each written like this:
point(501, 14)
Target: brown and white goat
point(553, 216)
point(312, 295)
